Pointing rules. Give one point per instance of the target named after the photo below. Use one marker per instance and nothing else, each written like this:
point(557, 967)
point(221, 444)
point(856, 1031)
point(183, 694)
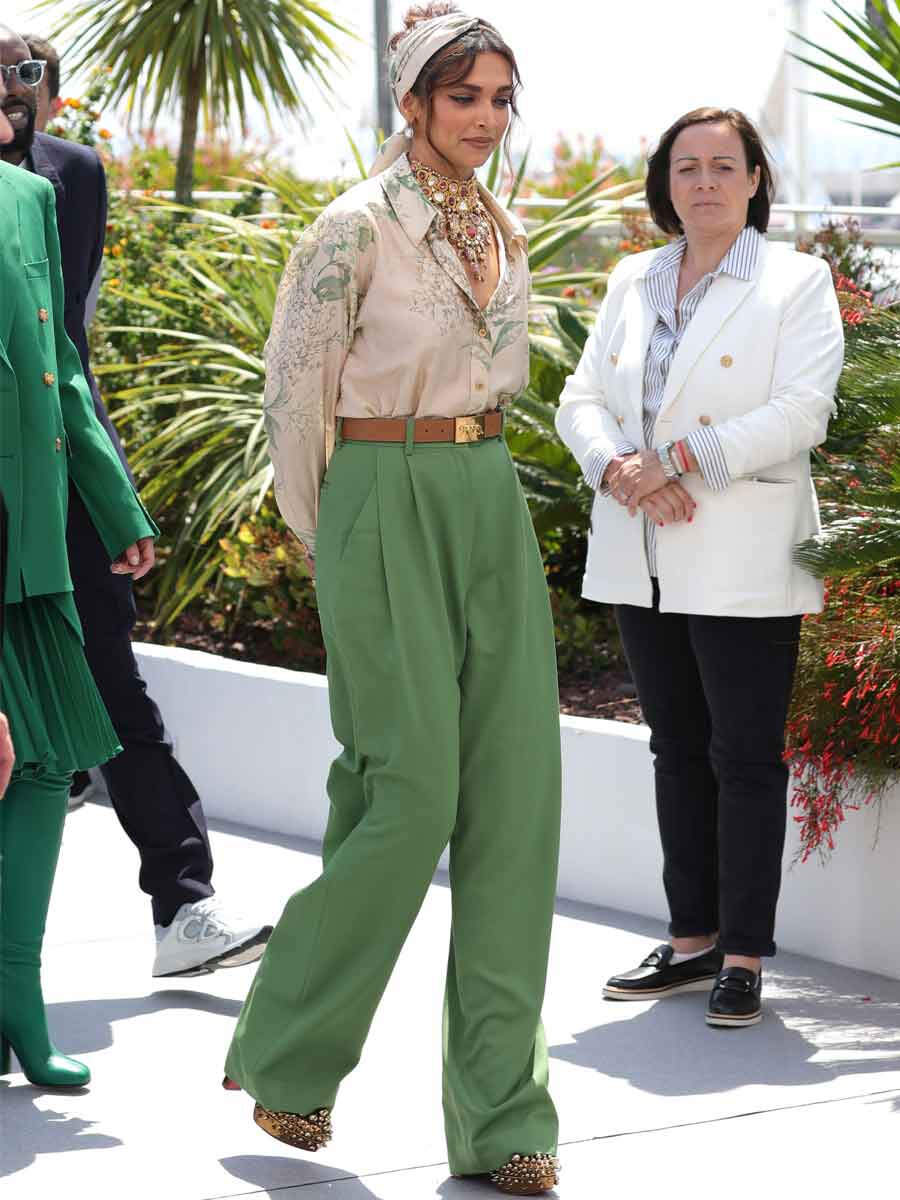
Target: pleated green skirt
point(57, 719)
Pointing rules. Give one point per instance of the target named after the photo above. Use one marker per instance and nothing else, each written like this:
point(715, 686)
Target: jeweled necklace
point(467, 225)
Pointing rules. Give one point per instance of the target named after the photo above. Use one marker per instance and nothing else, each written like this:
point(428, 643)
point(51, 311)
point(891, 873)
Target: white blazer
point(759, 362)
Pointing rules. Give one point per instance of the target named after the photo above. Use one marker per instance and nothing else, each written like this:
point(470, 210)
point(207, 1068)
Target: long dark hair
point(659, 198)
point(452, 64)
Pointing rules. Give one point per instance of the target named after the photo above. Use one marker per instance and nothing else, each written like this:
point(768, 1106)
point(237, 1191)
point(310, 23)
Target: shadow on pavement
point(847, 1020)
point(83, 1026)
point(28, 1131)
point(280, 1174)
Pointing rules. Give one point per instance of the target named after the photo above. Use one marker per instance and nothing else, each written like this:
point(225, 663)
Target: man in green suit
point(49, 433)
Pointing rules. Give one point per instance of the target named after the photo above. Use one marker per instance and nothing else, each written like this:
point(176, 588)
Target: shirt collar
point(739, 261)
point(416, 214)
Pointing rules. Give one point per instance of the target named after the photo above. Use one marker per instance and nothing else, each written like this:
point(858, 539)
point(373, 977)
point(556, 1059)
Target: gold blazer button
point(43, 316)
point(49, 378)
point(726, 360)
point(58, 445)
point(705, 420)
point(482, 331)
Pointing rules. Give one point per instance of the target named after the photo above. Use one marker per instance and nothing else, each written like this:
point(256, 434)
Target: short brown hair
point(659, 199)
point(453, 62)
point(39, 47)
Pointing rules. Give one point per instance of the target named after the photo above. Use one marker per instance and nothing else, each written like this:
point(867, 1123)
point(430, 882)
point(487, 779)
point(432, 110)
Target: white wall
point(257, 742)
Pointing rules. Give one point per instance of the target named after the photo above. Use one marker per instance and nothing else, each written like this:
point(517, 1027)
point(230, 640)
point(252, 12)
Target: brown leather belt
point(427, 429)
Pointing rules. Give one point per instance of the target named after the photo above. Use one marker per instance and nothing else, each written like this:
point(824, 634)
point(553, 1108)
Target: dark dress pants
point(715, 692)
point(155, 801)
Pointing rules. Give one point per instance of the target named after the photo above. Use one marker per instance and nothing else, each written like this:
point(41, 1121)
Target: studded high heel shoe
point(310, 1132)
point(527, 1175)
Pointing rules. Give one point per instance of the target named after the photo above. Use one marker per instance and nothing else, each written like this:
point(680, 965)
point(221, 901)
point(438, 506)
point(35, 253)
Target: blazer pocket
point(36, 270)
point(752, 538)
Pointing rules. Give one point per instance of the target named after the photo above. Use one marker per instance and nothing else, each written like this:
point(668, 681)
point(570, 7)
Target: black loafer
point(657, 976)
point(736, 999)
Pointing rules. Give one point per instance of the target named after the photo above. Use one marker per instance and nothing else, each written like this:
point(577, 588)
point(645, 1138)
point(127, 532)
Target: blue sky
point(623, 70)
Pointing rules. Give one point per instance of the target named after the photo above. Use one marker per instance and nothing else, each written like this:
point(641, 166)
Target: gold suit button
point(614, 358)
point(43, 316)
point(58, 445)
point(705, 420)
point(726, 360)
point(482, 331)
point(49, 378)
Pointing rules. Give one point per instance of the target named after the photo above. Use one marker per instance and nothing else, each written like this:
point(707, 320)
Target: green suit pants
point(442, 680)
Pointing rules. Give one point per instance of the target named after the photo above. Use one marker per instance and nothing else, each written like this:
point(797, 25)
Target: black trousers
point(155, 801)
point(715, 692)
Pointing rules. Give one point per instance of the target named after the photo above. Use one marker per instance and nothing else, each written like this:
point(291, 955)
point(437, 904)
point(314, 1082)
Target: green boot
point(31, 821)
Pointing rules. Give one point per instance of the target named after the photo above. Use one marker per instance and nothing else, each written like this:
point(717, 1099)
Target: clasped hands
point(637, 481)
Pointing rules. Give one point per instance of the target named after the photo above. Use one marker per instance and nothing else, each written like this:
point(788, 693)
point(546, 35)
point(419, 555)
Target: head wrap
point(405, 65)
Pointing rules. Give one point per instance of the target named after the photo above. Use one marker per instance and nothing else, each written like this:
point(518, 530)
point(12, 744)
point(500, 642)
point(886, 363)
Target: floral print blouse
point(375, 317)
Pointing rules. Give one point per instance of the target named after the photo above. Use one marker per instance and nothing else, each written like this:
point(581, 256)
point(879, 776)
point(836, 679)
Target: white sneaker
point(204, 936)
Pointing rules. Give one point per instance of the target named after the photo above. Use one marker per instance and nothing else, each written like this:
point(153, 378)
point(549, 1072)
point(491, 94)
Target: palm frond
point(247, 50)
point(874, 93)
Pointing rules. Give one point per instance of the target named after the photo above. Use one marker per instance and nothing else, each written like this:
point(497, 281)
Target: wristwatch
point(670, 469)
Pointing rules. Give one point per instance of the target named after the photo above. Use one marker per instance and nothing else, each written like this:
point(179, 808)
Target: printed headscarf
point(405, 65)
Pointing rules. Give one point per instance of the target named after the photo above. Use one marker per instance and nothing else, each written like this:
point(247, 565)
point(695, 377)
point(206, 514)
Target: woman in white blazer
point(707, 380)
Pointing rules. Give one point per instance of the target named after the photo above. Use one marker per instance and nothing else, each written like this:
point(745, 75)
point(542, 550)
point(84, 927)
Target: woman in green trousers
point(399, 336)
point(55, 716)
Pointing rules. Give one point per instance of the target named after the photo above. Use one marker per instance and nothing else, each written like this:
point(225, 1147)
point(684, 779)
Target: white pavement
point(651, 1101)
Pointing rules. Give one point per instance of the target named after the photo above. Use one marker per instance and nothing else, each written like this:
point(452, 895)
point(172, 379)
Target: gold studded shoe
point(527, 1175)
point(309, 1133)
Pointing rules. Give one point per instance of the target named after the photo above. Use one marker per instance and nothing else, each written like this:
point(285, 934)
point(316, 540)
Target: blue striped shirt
point(661, 283)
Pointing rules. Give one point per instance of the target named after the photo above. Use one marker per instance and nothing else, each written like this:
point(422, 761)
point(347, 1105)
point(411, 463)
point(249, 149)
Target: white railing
point(788, 220)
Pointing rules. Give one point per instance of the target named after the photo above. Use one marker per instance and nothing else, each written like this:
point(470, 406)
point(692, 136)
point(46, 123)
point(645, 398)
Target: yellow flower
point(280, 553)
point(105, 134)
point(245, 535)
point(73, 103)
point(117, 250)
point(114, 282)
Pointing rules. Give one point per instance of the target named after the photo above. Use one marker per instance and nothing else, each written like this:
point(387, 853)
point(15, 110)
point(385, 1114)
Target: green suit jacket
point(48, 430)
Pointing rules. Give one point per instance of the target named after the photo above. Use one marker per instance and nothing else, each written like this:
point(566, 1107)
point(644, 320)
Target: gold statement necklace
point(466, 223)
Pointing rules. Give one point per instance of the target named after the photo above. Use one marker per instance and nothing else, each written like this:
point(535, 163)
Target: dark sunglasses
point(30, 73)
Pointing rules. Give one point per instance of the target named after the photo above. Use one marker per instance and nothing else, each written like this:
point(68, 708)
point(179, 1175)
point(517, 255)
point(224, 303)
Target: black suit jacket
point(79, 181)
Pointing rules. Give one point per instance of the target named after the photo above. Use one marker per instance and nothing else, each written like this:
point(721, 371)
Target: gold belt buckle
point(468, 429)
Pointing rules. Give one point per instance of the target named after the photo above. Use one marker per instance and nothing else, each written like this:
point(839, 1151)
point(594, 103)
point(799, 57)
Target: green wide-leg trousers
point(442, 678)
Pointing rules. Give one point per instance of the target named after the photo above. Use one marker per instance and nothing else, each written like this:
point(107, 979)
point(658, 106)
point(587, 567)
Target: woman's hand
point(669, 504)
point(636, 477)
point(309, 559)
point(135, 560)
point(7, 754)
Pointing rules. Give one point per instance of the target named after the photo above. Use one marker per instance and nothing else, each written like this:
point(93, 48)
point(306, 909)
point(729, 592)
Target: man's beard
point(23, 135)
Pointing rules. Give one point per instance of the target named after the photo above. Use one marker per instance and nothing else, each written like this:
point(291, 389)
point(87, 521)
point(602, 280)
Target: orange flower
point(267, 224)
point(73, 103)
point(105, 134)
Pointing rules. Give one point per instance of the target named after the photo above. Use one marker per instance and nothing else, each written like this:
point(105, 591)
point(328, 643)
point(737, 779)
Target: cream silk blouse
point(375, 317)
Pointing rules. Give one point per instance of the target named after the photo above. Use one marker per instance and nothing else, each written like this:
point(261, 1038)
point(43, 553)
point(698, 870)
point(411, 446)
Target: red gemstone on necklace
point(471, 230)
